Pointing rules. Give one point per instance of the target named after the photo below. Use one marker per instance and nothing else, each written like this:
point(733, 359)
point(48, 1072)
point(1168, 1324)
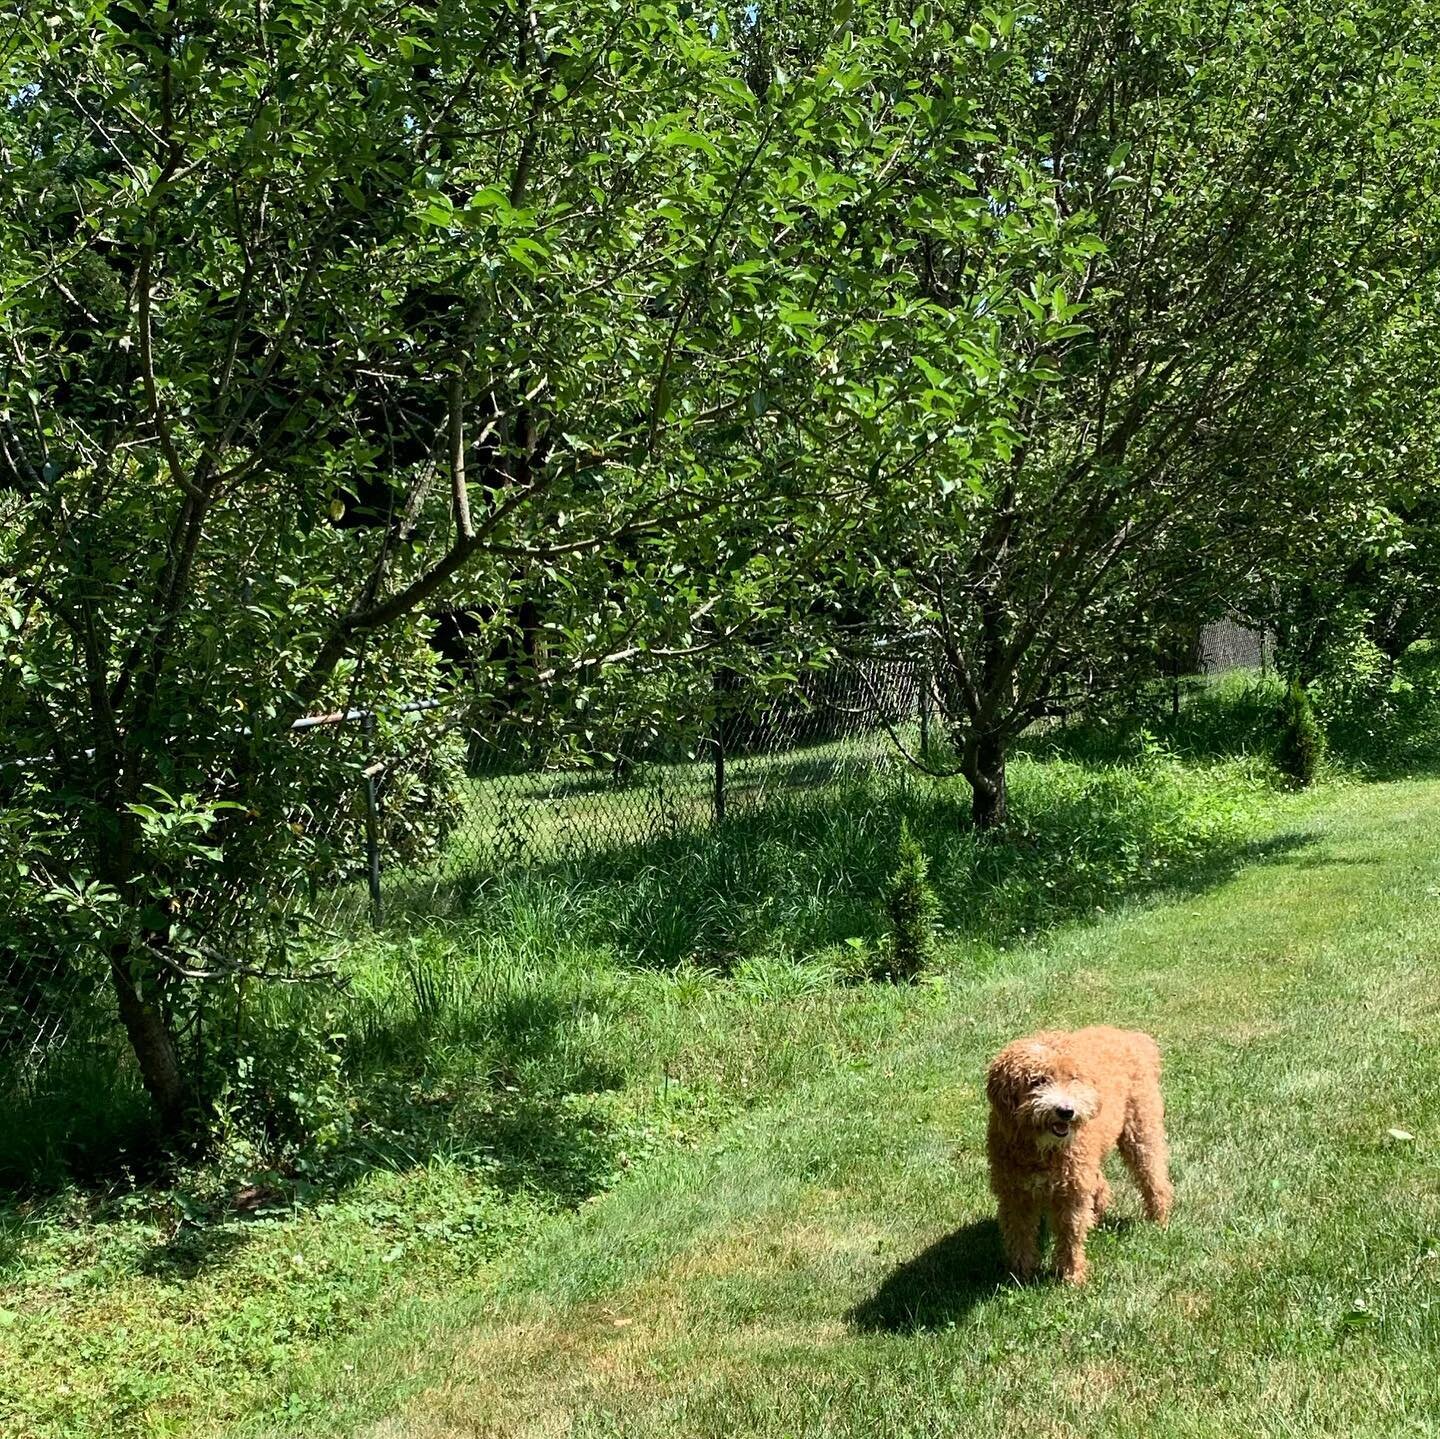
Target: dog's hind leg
point(1020, 1233)
point(1146, 1153)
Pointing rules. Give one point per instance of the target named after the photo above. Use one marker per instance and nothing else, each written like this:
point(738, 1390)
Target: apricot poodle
point(1060, 1101)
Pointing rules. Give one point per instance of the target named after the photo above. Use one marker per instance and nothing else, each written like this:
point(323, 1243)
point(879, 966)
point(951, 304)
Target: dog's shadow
point(942, 1284)
point(939, 1286)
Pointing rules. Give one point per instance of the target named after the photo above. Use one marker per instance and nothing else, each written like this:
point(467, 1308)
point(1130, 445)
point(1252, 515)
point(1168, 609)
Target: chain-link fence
point(407, 811)
point(1226, 645)
point(457, 792)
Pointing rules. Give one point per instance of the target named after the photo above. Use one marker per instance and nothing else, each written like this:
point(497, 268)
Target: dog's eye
point(1039, 1081)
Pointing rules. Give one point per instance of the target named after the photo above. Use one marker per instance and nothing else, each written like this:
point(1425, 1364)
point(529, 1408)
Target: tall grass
point(809, 872)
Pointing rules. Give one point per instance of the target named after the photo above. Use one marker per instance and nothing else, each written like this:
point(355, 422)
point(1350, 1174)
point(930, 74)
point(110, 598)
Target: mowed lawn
point(830, 1266)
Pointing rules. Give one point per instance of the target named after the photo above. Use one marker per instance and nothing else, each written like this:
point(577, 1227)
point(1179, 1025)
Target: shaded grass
point(827, 1266)
point(1233, 716)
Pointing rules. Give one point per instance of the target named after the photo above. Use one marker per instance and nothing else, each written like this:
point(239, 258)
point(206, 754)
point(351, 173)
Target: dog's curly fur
point(1060, 1101)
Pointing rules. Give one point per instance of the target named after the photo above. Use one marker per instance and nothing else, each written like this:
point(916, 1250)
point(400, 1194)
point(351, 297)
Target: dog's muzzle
point(1058, 1113)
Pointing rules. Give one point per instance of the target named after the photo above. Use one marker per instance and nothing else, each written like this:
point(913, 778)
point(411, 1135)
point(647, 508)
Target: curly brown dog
point(1060, 1101)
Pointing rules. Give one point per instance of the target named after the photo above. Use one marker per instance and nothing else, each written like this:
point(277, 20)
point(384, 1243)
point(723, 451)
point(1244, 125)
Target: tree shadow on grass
point(538, 1146)
point(494, 1082)
point(498, 1090)
point(194, 1250)
point(769, 775)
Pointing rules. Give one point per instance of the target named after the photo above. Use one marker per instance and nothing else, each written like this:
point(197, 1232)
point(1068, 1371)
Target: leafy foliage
point(1389, 724)
point(344, 315)
point(627, 338)
point(1198, 353)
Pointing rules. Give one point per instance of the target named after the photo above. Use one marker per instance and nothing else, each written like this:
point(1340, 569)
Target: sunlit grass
point(831, 1269)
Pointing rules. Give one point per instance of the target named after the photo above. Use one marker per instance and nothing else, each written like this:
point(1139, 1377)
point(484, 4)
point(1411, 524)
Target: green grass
point(675, 1021)
point(806, 871)
point(828, 1265)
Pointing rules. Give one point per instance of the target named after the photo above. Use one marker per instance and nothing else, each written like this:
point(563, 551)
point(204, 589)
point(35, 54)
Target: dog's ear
point(1005, 1082)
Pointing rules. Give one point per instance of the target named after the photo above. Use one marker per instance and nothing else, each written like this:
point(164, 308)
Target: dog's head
point(1035, 1087)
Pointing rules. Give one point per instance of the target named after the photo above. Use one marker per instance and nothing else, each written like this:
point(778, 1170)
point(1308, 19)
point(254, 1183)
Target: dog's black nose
point(1064, 1113)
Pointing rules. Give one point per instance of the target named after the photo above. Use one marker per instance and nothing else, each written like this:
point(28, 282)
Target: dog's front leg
point(1071, 1214)
point(1020, 1232)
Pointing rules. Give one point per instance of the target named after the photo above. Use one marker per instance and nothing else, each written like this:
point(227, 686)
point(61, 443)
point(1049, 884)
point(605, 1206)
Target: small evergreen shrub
point(1301, 739)
point(912, 909)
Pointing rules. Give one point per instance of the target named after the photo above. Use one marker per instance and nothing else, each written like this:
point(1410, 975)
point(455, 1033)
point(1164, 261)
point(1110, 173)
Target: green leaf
point(690, 140)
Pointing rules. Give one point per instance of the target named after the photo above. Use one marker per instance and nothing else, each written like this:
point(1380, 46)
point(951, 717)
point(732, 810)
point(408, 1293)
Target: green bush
point(912, 910)
point(282, 1099)
point(1301, 739)
point(420, 796)
point(1351, 689)
point(1378, 717)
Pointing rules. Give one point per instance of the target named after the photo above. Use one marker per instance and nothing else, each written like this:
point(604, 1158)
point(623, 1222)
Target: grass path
point(830, 1267)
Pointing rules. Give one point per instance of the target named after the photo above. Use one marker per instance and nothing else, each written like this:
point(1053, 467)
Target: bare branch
point(158, 417)
point(458, 488)
point(224, 967)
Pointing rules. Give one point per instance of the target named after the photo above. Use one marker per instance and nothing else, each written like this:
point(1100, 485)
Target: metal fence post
point(372, 833)
point(717, 745)
point(925, 713)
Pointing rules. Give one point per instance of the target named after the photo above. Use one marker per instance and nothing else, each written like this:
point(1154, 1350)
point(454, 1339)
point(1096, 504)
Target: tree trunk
point(989, 804)
point(154, 1045)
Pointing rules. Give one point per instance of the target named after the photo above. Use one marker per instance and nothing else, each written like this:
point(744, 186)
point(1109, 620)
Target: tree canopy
point(643, 334)
point(1251, 194)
